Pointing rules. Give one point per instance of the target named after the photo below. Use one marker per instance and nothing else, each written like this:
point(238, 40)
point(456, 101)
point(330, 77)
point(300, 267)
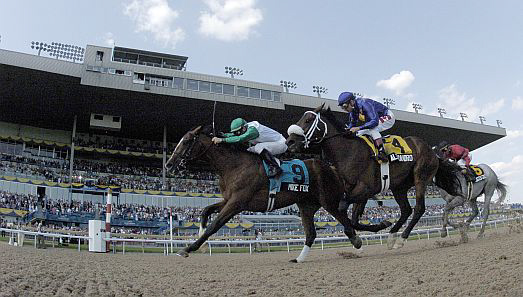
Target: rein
point(188, 152)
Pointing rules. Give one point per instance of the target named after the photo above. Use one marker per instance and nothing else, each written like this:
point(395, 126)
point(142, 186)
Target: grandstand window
point(216, 88)
point(127, 73)
point(228, 89)
point(98, 117)
point(99, 56)
point(243, 92)
point(254, 93)
point(266, 95)
point(139, 78)
point(116, 119)
point(276, 96)
point(89, 68)
point(205, 86)
point(111, 71)
point(192, 84)
point(178, 83)
point(119, 72)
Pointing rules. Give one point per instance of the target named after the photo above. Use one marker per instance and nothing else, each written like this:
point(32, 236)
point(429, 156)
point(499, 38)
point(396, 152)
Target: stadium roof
point(48, 93)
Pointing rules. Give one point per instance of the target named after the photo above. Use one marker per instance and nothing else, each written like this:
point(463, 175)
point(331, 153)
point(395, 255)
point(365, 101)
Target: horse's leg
point(228, 211)
point(341, 216)
point(357, 211)
point(207, 212)
point(452, 202)
point(307, 212)
point(419, 210)
point(486, 209)
point(405, 211)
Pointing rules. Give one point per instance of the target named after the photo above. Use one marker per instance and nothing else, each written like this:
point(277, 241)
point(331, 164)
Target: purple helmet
point(345, 97)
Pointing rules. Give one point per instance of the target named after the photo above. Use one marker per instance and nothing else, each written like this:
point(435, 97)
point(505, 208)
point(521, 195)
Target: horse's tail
point(502, 191)
point(447, 177)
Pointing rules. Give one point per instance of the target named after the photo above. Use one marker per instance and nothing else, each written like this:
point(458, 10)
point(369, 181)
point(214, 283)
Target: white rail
point(166, 243)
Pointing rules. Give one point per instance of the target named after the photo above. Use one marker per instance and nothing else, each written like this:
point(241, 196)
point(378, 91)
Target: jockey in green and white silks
point(262, 140)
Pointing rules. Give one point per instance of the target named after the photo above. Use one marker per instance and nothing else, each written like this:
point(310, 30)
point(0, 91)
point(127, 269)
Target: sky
point(463, 56)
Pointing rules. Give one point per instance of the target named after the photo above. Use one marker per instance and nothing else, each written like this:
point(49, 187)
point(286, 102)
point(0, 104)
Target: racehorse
point(487, 185)
point(355, 163)
point(245, 187)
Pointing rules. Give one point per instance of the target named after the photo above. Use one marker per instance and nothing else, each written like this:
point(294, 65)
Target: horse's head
point(309, 129)
point(192, 146)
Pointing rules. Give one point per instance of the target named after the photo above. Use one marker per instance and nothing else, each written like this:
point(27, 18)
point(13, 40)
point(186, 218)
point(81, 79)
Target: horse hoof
point(386, 223)
point(182, 253)
point(356, 242)
point(293, 261)
point(399, 244)
point(443, 233)
point(481, 235)
point(391, 241)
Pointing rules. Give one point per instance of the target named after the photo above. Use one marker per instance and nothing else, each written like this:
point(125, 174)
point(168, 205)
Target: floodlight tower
point(319, 90)
point(417, 107)
point(233, 71)
point(482, 119)
point(287, 85)
point(463, 116)
point(441, 111)
point(389, 102)
point(498, 122)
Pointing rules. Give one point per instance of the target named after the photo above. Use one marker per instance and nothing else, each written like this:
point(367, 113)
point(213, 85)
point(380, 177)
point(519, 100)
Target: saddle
point(295, 178)
point(395, 146)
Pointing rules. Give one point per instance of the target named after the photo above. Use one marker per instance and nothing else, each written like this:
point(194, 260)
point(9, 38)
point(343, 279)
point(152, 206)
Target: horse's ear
point(197, 130)
point(329, 108)
point(319, 108)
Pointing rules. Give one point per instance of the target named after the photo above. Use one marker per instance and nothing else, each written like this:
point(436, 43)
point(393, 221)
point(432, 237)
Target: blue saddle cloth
point(295, 176)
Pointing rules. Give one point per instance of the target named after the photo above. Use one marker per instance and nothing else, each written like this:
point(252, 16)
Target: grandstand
point(69, 131)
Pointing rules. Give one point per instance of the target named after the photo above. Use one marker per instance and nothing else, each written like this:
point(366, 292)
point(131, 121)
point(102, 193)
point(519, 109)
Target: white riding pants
point(385, 122)
point(275, 148)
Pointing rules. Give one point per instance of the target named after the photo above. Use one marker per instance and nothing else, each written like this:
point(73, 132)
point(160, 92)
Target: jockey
point(376, 117)
point(457, 153)
point(262, 140)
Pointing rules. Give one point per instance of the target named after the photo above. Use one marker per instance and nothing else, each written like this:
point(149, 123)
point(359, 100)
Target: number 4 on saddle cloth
point(295, 178)
point(395, 146)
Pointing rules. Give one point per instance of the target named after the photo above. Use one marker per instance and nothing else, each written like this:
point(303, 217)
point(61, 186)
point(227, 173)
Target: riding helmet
point(345, 97)
point(237, 124)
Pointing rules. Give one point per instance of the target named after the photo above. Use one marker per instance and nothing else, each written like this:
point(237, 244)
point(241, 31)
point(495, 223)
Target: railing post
point(288, 248)
point(322, 244)
point(381, 239)
point(78, 244)
point(123, 247)
point(210, 248)
point(250, 248)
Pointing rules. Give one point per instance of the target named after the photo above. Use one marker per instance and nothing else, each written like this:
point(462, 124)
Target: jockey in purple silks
point(376, 117)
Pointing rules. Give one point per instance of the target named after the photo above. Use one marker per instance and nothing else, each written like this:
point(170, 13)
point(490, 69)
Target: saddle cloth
point(295, 177)
point(479, 174)
point(395, 146)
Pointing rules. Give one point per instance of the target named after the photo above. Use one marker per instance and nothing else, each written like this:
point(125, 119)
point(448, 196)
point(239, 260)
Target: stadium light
point(319, 90)
point(233, 71)
point(356, 94)
point(482, 119)
point(499, 123)
point(287, 85)
point(60, 50)
point(441, 111)
point(389, 102)
point(417, 107)
point(463, 116)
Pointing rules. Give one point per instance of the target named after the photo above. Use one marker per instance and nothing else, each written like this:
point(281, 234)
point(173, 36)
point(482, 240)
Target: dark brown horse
point(245, 187)
point(356, 165)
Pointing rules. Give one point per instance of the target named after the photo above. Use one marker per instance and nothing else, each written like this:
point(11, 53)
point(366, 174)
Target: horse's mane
point(207, 130)
point(447, 177)
point(329, 115)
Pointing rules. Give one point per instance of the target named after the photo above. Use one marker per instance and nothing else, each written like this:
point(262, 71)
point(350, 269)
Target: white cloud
point(155, 17)
point(397, 82)
point(455, 102)
point(230, 20)
point(513, 134)
point(109, 39)
point(517, 103)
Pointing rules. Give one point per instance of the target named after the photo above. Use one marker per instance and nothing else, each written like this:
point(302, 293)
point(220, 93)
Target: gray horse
point(467, 192)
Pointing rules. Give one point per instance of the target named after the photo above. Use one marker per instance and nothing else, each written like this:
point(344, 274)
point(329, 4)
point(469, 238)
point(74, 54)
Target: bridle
point(184, 158)
point(308, 136)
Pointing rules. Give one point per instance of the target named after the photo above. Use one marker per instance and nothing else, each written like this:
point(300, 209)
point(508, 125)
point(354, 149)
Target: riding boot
point(274, 168)
point(382, 156)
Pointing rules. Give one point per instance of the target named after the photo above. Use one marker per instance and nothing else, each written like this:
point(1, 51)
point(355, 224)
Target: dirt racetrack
point(492, 266)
